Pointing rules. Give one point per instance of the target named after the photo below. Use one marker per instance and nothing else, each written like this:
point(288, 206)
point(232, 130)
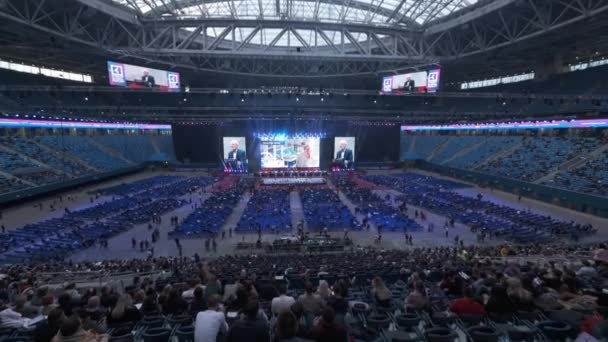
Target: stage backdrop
point(203, 144)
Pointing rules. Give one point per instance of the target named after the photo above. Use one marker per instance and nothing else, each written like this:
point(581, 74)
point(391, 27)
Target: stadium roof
point(411, 14)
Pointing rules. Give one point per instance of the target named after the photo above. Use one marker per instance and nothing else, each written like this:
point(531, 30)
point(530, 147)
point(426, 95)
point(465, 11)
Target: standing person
point(310, 301)
point(283, 302)
point(210, 322)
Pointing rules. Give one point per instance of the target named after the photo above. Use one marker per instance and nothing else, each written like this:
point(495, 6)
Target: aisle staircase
point(574, 163)
point(32, 160)
point(65, 155)
point(501, 154)
point(109, 151)
point(440, 148)
point(463, 152)
point(10, 176)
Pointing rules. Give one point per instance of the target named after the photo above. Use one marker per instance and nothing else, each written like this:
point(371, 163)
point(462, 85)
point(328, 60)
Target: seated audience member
point(198, 303)
point(124, 312)
point(10, 318)
point(519, 297)
point(108, 297)
point(417, 299)
point(244, 291)
point(250, 327)
point(210, 322)
point(174, 304)
point(499, 302)
point(72, 331)
point(150, 305)
point(66, 304)
point(93, 316)
point(188, 294)
point(283, 302)
point(310, 301)
point(48, 304)
point(382, 295)
point(466, 305)
point(47, 329)
point(287, 327)
point(327, 330)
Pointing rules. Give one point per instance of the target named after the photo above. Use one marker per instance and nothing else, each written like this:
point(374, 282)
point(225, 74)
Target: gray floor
point(120, 246)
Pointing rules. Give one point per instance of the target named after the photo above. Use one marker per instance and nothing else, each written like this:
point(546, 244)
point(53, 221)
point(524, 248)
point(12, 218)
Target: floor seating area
point(138, 186)
point(375, 208)
point(324, 209)
point(268, 209)
point(209, 216)
point(432, 194)
point(128, 206)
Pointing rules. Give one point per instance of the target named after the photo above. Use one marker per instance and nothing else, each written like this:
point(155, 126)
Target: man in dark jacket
point(251, 327)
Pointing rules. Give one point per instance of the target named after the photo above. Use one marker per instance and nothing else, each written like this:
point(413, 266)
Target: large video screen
point(415, 82)
point(132, 76)
point(344, 149)
point(283, 151)
point(235, 154)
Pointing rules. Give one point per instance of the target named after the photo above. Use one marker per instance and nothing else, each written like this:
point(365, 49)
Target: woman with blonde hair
point(323, 290)
point(382, 295)
point(124, 311)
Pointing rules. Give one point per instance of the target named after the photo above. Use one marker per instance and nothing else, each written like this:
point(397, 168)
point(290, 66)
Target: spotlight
point(322, 99)
point(297, 99)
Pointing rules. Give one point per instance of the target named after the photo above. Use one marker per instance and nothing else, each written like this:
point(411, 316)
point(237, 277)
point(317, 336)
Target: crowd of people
point(318, 298)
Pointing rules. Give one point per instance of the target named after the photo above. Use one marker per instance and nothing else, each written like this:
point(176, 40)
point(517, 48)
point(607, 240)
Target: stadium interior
point(303, 170)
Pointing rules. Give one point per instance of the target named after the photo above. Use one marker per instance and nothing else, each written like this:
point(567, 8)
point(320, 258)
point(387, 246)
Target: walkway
point(297, 210)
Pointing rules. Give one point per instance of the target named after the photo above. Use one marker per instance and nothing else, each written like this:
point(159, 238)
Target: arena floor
point(120, 245)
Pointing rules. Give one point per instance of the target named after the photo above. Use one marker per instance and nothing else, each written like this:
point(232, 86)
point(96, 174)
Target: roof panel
point(397, 12)
point(382, 12)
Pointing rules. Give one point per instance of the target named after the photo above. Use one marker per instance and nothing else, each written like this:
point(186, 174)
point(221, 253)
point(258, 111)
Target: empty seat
point(156, 335)
point(482, 333)
point(185, 334)
point(555, 331)
point(440, 335)
point(407, 321)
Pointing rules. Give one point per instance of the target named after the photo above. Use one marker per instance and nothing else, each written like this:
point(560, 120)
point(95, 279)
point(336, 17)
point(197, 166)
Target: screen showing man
point(281, 151)
point(235, 154)
point(136, 77)
point(148, 79)
point(344, 148)
point(415, 82)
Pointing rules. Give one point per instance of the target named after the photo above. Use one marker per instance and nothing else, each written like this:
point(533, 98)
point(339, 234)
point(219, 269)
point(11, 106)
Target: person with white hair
point(148, 79)
point(236, 156)
point(344, 156)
